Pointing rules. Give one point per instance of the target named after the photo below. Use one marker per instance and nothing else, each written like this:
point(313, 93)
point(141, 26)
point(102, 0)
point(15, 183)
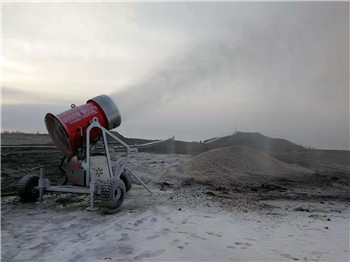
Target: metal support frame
point(105, 132)
point(139, 180)
point(94, 187)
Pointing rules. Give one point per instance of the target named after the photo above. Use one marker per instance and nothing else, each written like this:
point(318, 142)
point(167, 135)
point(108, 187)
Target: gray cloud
point(26, 96)
point(291, 61)
point(27, 117)
point(277, 68)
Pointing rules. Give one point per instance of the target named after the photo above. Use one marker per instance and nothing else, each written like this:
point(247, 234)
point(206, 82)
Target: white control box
point(100, 164)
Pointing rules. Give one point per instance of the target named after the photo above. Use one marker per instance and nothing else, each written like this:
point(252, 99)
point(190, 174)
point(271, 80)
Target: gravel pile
point(241, 159)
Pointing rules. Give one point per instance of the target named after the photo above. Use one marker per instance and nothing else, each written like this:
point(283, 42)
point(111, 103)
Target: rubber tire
point(26, 190)
point(108, 193)
point(127, 179)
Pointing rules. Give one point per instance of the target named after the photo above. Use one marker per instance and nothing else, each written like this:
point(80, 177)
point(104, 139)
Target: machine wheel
point(26, 188)
point(112, 193)
point(127, 179)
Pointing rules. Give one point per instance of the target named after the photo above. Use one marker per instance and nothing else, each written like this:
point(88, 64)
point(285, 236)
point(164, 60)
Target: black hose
point(62, 170)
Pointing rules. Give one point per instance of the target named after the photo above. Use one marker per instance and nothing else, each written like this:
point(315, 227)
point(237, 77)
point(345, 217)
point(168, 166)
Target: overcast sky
point(193, 70)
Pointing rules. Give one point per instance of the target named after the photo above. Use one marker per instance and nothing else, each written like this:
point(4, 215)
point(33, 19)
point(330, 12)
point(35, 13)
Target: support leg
point(92, 200)
point(140, 181)
point(92, 190)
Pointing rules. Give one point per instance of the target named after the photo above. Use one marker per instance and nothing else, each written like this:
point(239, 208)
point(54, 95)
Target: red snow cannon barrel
point(65, 128)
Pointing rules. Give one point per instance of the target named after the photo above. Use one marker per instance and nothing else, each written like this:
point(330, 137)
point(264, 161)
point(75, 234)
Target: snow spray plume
point(187, 72)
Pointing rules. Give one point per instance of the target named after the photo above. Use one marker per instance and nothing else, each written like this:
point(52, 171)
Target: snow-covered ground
point(161, 233)
point(175, 224)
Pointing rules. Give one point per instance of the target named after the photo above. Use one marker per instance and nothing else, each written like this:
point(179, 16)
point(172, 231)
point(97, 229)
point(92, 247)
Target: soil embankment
point(241, 159)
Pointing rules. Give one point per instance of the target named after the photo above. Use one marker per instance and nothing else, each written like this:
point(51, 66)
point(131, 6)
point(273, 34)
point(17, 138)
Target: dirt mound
point(241, 159)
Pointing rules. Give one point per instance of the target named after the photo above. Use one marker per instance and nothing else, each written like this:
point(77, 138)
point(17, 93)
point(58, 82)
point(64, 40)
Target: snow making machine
point(90, 166)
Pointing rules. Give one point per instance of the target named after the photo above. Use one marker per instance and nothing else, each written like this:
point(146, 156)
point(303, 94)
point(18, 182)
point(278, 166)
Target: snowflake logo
point(99, 172)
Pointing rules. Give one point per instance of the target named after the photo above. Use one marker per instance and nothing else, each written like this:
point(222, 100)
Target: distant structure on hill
point(251, 139)
point(132, 141)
